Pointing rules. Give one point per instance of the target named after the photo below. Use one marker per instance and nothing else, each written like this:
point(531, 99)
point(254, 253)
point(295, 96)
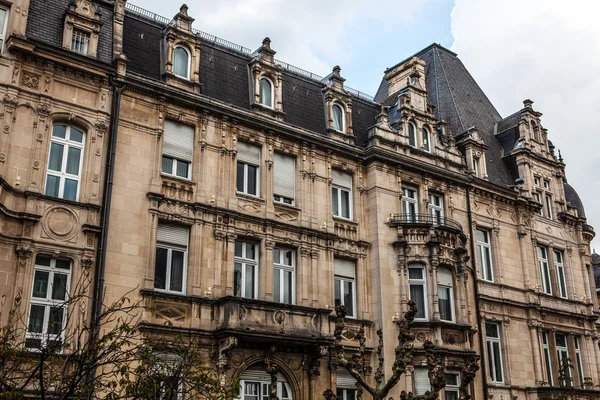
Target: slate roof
point(573, 198)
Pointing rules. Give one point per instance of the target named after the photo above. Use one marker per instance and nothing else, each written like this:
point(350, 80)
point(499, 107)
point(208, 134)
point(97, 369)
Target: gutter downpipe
point(98, 296)
point(476, 292)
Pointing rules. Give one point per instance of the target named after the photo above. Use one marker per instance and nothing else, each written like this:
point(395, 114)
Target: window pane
point(445, 303)
point(42, 260)
point(59, 131)
point(287, 287)
point(338, 121)
point(350, 394)
point(412, 139)
point(349, 297)
point(277, 284)
point(265, 93)
point(167, 165)
point(73, 158)
point(63, 264)
point(497, 362)
point(177, 259)
point(561, 340)
point(182, 169)
point(237, 279)
point(56, 157)
point(180, 62)
point(288, 257)
point(345, 204)
point(238, 248)
point(491, 330)
point(276, 255)
point(334, 201)
point(338, 292)
point(252, 179)
point(249, 281)
point(76, 135)
point(59, 287)
point(451, 395)
point(52, 185)
point(481, 236)
point(160, 270)
point(55, 320)
point(417, 294)
point(40, 284)
point(36, 318)
point(425, 139)
point(415, 273)
point(70, 190)
point(251, 251)
point(240, 177)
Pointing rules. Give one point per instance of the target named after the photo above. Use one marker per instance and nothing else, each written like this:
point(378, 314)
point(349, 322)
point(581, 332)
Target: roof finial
point(560, 156)
point(183, 9)
point(266, 43)
point(527, 103)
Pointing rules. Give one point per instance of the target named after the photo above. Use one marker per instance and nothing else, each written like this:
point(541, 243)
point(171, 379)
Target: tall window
point(538, 198)
point(170, 271)
point(436, 208)
point(410, 206)
point(560, 273)
point(535, 132)
point(47, 313)
point(167, 377)
point(80, 41)
point(542, 253)
point(245, 276)
point(476, 166)
point(3, 17)
point(492, 335)
point(578, 361)
point(547, 362)
point(484, 251)
point(564, 362)
point(452, 385)
point(426, 139)
point(181, 62)
point(284, 275)
point(445, 294)
point(265, 92)
point(64, 162)
point(549, 206)
point(255, 384)
point(178, 149)
point(421, 381)
point(345, 385)
point(284, 169)
point(418, 290)
point(248, 168)
point(338, 117)
point(341, 194)
point(345, 285)
point(412, 135)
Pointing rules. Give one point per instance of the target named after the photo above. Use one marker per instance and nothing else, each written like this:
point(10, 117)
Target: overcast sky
point(545, 50)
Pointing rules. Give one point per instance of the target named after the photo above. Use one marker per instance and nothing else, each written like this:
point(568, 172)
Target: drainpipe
point(476, 291)
point(98, 296)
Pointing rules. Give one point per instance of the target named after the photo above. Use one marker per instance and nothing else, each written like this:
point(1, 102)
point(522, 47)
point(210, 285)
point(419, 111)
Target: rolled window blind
point(421, 379)
point(173, 234)
point(444, 277)
point(248, 153)
point(341, 178)
point(258, 372)
point(285, 175)
point(345, 268)
point(344, 380)
point(178, 141)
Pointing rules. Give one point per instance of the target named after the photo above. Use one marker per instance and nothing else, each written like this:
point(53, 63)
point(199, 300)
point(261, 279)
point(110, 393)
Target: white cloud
point(548, 51)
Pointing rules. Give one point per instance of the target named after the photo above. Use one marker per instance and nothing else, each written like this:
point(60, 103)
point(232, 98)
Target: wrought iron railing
point(425, 219)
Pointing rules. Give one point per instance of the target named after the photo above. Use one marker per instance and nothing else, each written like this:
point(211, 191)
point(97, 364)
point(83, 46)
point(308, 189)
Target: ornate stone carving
point(30, 80)
point(225, 347)
point(24, 251)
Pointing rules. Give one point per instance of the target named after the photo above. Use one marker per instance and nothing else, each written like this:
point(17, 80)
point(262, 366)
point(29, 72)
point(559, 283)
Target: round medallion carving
point(36, 164)
point(237, 359)
point(6, 128)
point(421, 336)
point(60, 223)
point(295, 364)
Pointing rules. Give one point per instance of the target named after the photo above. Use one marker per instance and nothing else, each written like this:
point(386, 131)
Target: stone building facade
point(246, 197)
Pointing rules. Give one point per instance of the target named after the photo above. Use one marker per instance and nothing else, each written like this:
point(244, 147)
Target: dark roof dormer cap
point(265, 52)
point(528, 104)
point(182, 20)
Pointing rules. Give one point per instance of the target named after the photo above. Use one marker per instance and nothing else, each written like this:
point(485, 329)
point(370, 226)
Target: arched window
point(266, 92)
point(181, 62)
point(255, 384)
point(535, 132)
point(412, 135)
point(446, 294)
point(64, 162)
point(338, 118)
point(426, 139)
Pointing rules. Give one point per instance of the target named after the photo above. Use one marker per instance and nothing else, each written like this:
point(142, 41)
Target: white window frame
point(536, 181)
point(423, 283)
point(344, 393)
point(245, 261)
point(562, 352)
point(341, 280)
point(412, 132)
point(189, 61)
point(170, 248)
point(487, 271)
point(278, 198)
point(476, 166)
point(548, 198)
point(48, 302)
point(341, 108)
point(407, 201)
point(170, 360)
point(339, 189)
point(547, 358)
point(62, 175)
point(264, 388)
point(492, 341)
point(538, 198)
point(450, 290)
point(452, 388)
point(83, 37)
point(542, 255)
point(3, 31)
point(245, 179)
point(560, 273)
point(279, 265)
point(173, 171)
point(436, 211)
point(260, 99)
point(426, 139)
point(579, 360)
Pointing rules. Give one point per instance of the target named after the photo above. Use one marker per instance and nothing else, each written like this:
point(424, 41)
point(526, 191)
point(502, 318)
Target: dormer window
point(181, 62)
point(426, 139)
point(80, 41)
point(412, 135)
point(338, 118)
point(82, 28)
point(266, 92)
point(476, 166)
point(535, 132)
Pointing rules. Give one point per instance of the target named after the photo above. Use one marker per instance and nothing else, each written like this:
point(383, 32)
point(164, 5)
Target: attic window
point(80, 41)
point(181, 62)
point(426, 140)
point(338, 118)
point(412, 135)
point(266, 92)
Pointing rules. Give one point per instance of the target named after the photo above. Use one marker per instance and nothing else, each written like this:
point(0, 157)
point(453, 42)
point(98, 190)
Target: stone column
point(303, 272)
point(535, 343)
point(265, 281)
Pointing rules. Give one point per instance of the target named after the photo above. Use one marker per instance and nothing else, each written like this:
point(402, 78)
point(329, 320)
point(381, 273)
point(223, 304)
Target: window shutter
point(345, 268)
point(444, 277)
point(248, 153)
point(421, 379)
point(341, 178)
point(285, 175)
point(344, 379)
point(259, 373)
point(178, 141)
point(173, 234)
